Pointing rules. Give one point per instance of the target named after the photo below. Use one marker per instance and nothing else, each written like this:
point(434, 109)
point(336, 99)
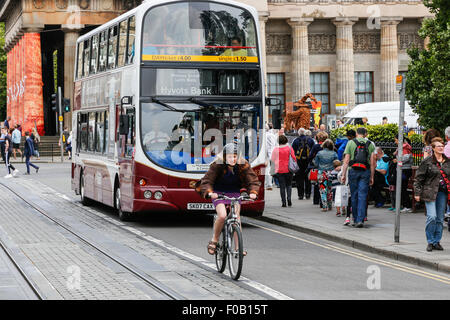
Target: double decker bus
point(158, 92)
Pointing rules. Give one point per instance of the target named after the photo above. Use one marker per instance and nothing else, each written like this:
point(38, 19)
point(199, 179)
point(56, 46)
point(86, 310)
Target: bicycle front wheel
point(235, 252)
point(221, 253)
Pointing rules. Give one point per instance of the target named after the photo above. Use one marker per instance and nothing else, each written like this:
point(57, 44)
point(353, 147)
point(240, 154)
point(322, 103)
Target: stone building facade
point(345, 52)
point(40, 38)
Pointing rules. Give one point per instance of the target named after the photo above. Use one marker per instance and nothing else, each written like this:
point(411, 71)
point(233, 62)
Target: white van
point(375, 111)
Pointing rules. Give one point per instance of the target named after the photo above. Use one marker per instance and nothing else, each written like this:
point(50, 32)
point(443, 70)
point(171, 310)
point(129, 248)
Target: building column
point(300, 57)
point(263, 18)
point(345, 67)
point(389, 58)
point(71, 34)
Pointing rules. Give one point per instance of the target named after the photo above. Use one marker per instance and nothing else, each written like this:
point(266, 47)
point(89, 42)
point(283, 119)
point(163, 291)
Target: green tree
point(2, 73)
point(428, 78)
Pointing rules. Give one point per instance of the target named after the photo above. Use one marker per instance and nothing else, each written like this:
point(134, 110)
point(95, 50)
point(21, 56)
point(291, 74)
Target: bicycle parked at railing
point(230, 245)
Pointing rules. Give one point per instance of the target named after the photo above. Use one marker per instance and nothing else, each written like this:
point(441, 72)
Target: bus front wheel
point(123, 215)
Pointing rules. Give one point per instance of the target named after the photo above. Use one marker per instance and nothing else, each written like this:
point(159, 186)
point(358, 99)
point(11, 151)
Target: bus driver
point(237, 50)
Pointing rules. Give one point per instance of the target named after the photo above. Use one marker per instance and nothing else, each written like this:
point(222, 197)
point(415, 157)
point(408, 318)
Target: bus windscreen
point(199, 32)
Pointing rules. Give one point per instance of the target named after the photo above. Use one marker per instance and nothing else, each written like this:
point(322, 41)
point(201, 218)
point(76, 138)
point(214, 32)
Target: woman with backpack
point(432, 185)
point(280, 159)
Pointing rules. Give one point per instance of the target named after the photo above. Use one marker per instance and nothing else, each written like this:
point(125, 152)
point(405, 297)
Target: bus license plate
point(200, 206)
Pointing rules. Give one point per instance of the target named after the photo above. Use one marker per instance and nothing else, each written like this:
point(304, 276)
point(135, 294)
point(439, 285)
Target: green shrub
point(378, 133)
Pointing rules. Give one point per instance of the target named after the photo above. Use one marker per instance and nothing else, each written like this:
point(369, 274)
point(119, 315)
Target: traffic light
point(66, 105)
point(54, 102)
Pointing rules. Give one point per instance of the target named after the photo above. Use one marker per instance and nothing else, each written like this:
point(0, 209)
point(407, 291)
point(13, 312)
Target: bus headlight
point(147, 194)
point(158, 195)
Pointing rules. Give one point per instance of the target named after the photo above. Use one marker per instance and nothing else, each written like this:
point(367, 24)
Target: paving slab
point(377, 236)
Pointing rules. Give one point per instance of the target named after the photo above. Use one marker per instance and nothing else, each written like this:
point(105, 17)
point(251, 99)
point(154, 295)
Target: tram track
point(34, 288)
point(150, 281)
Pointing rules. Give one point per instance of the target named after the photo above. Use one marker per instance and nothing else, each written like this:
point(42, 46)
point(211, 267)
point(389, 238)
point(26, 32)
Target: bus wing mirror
point(274, 102)
point(123, 124)
point(126, 100)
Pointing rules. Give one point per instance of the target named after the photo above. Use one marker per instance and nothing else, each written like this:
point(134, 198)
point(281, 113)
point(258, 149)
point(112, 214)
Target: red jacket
point(280, 157)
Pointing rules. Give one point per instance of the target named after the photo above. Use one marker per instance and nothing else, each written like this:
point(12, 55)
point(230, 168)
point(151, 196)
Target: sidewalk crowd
point(353, 170)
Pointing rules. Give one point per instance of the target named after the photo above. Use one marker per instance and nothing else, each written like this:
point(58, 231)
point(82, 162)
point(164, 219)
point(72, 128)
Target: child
point(335, 182)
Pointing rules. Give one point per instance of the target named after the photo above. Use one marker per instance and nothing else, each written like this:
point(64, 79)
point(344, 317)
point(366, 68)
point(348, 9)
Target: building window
point(276, 89)
point(319, 83)
point(363, 87)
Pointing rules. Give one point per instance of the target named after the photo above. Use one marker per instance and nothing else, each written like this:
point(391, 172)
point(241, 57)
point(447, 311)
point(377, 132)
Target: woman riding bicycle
point(227, 175)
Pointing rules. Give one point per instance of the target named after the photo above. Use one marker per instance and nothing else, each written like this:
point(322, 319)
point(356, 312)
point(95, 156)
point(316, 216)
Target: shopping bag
point(341, 196)
point(313, 175)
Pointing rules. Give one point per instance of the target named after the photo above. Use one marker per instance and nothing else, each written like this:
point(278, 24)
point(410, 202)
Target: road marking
point(362, 256)
point(256, 285)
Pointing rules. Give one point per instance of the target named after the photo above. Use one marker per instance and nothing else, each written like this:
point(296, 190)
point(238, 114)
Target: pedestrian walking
point(335, 184)
point(271, 141)
point(8, 152)
point(429, 135)
point(324, 163)
point(447, 144)
point(6, 123)
point(321, 137)
point(36, 142)
point(16, 137)
point(407, 161)
point(69, 145)
point(29, 152)
point(380, 180)
point(432, 185)
point(359, 156)
point(302, 146)
point(341, 143)
point(447, 154)
point(280, 158)
point(2, 145)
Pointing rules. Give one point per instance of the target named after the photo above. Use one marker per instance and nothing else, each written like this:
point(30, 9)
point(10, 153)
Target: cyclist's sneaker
point(347, 222)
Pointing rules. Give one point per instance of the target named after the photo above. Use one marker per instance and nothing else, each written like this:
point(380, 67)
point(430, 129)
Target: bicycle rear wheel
point(221, 253)
point(236, 252)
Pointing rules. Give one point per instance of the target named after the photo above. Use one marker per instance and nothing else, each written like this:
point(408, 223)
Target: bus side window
point(80, 60)
point(94, 54)
point(87, 57)
point(91, 131)
point(112, 47)
point(122, 43)
point(130, 138)
point(83, 132)
point(107, 142)
point(131, 39)
point(103, 51)
point(100, 132)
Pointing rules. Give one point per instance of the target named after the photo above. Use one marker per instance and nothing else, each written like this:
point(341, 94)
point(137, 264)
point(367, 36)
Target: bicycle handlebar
point(224, 197)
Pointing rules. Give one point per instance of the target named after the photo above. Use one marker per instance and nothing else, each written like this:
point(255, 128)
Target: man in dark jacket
point(29, 152)
point(302, 146)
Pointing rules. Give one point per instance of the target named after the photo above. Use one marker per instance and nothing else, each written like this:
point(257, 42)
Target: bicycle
point(230, 244)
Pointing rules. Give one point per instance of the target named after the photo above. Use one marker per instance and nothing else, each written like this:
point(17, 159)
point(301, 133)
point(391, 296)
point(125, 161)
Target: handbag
point(313, 175)
point(447, 183)
point(293, 165)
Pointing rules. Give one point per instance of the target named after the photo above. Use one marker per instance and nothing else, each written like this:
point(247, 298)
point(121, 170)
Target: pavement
point(377, 236)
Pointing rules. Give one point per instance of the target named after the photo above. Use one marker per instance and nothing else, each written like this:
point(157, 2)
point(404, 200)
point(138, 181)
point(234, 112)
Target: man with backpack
point(302, 146)
point(359, 158)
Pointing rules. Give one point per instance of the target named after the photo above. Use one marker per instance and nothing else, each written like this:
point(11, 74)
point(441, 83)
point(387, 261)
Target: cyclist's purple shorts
point(231, 195)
